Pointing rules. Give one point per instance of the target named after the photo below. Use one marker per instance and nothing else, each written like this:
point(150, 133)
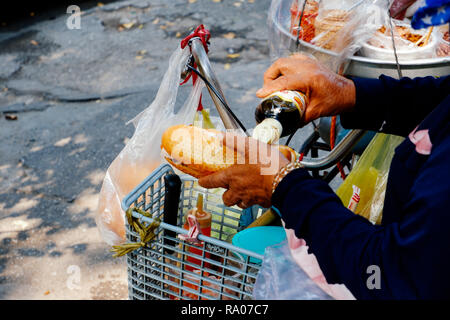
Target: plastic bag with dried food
point(410, 44)
point(330, 30)
point(142, 153)
point(443, 42)
point(306, 11)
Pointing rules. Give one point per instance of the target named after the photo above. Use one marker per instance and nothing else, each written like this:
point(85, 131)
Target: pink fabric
point(309, 264)
point(422, 141)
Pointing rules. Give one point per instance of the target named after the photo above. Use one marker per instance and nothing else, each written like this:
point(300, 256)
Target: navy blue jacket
point(411, 247)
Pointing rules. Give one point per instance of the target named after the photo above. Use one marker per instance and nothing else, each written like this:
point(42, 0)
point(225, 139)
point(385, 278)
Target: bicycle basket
point(215, 270)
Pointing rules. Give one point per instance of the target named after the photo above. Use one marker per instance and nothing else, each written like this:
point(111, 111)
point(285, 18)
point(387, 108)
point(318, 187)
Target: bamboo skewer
point(425, 38)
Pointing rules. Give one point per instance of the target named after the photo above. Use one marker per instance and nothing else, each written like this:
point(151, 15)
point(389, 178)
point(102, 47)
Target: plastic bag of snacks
point(364, 188)
point(410, 44)
point(304, 30)
point(343, 28)
point(339, 26)
point(333, 15)
point(443, 42)
point(142, 153)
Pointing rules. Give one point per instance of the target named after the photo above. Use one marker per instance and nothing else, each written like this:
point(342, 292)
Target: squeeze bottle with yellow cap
point(278, 115)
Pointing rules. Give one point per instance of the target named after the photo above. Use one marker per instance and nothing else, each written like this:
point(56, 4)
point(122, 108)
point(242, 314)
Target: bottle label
point(297, 98)
point(354, 200)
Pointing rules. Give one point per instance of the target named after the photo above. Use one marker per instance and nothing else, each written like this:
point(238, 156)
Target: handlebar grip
point(172, 185)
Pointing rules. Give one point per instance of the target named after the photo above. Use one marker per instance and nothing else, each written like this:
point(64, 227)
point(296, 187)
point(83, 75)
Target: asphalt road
point(65, 98)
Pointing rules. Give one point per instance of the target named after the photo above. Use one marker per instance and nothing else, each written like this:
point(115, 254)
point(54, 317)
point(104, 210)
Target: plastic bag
point(333, 16)
point(339, 28)
point(142, 153)
point(443, 42)
point(280, 278)
point(305, 280)
point(304, 30)
point(410, 44)
point(369, 178)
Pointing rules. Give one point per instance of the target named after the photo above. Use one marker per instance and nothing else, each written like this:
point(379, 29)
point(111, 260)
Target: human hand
point(250, 181)
point(328, 93)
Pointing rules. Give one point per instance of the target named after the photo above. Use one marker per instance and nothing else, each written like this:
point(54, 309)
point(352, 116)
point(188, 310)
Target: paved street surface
point(65, 96)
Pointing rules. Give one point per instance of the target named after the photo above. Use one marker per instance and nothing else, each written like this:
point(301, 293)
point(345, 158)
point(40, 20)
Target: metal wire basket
point(170, 268)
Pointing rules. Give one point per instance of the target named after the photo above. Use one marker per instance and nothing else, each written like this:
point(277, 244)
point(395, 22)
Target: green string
point(146, 233)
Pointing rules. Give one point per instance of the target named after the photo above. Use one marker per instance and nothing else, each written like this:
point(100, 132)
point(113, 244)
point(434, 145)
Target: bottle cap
point(268, 131)
point(203, 217)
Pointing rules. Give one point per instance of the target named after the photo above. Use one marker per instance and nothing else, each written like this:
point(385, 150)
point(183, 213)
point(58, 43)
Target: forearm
point(332, 232)
point(394, 106)
point(346, 244)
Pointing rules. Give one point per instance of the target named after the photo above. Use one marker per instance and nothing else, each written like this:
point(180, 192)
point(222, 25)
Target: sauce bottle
point(278, 115)
point(204, 219)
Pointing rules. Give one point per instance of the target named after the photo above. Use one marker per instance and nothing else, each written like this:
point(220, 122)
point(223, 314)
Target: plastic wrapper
point(333, 16)
point(410, 44)
point(340, 27)
point(443, 42)
point(305, 282)
point(304, 30)
point(334, 30)
point(142, 153)
point(273, 284)
point(370, 175)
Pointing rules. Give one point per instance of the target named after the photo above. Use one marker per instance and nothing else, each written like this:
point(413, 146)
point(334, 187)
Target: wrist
point(348, 95)
point(283, 172)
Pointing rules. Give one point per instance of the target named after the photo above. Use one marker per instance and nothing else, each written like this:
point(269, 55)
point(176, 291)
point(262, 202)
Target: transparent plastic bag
point(333, 16)
point(410, 44)
point(289, 272)
point(308, 262)
point(331, 30)
point(304, 30)
point(142, 153)
point(280, 278)
point(370, 175)
point(443, 41)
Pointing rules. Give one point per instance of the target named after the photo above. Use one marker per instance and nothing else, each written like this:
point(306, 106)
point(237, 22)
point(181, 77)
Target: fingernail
point(259, 92)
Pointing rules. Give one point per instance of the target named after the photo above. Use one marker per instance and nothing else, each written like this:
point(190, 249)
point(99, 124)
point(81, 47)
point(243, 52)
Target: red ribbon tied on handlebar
point(199, 32)
point(204, 35)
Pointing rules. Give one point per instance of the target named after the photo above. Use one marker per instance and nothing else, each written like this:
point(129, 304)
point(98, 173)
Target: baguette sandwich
point(200, 152)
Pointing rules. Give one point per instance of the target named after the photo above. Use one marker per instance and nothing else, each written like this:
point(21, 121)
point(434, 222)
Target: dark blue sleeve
point(394, 106)
point(413, 255)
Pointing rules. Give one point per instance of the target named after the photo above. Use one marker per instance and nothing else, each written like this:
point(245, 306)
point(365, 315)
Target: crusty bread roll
point(199, 152)
point(196, 151)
